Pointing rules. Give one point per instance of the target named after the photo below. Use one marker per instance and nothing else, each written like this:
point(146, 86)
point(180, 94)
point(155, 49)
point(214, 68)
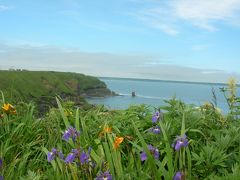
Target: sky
point(188, 40)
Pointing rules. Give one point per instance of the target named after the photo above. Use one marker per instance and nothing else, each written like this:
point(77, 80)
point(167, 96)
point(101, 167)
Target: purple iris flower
point(154, 151)
point(71, 132)
point(52, 154)
point(181, 141)
point(83, 157)
point(143, 156)
point(1, 178)
point(156, 116)
point(155, 130)
point(104, 176)
point(178, 176)
point(70, 158)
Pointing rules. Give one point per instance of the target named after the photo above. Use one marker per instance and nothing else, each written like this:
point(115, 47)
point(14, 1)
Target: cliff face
point(42, 86)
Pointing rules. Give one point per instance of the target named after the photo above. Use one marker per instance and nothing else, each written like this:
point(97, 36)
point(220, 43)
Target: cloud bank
point(103, 64)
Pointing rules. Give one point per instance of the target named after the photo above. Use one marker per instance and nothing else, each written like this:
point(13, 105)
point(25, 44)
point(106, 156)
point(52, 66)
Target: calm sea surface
point(154, 93)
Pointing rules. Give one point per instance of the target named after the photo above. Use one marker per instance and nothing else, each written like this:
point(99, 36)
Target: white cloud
point(4, 8)
point(168, 29)
point(161, 26)
point(203, 13)
point(212, 72)
point(157, 18)
point(200, 47)
point(167, 16)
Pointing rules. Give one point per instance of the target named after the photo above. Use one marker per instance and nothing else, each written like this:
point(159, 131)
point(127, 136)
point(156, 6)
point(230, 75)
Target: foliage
point(180, 140)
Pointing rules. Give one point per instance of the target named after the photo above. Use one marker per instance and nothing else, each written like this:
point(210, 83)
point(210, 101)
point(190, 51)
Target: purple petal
point(156, 130)
point(66, 135)
point(50, 156)
point(74, 131)
point(185, 143)
point(154, 151)
point(71, 132)
point(84, 158)
point(150, 147)
point(143, 156)
point(156, 154)
point(181, 141)
point(104, 176)
point(1, 162)
point(184, 136)
point(178, 145)
point(54, 150)
point(154, 119)
point(156, 116)
point(70, 158)
point(1, 178)
point(178, 176)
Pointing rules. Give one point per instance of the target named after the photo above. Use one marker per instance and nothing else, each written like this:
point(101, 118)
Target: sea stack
point(133, 94)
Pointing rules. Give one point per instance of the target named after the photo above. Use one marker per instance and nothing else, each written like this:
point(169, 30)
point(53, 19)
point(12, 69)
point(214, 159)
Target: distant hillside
point(42, 86)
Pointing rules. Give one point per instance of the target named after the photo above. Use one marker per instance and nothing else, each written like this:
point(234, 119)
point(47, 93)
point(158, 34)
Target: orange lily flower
point(117, 142)
point(9, 109)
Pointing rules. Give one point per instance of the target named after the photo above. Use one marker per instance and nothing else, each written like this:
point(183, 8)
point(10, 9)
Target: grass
point(41, 87)
point(212, 151)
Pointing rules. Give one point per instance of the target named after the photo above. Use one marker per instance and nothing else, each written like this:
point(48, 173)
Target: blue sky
point(141, 37)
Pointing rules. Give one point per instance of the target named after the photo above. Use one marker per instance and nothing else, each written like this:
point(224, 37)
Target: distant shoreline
point(167, 81)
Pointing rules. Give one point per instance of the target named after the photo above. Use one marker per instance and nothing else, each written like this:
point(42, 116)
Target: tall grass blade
point(65, 119)
point(168, 150)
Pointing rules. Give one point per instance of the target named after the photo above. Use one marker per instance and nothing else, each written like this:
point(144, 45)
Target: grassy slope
point(43, 86)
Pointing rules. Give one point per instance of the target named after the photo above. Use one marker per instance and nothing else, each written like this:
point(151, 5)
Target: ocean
point(154, 92)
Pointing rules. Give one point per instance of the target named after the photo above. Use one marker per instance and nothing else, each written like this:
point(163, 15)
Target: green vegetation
point(42, 86)
point(184, 142)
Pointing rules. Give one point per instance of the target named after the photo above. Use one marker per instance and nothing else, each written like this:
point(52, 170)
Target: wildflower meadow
point(176, 141)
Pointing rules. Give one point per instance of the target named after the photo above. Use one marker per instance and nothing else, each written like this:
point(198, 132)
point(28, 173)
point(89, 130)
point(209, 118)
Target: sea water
point(154, 92)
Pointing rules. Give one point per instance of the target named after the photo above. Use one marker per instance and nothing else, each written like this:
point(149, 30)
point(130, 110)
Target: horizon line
point(164, 80)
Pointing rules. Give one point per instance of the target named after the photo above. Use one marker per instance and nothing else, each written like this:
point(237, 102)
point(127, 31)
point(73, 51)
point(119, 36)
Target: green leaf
point(65, 119)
